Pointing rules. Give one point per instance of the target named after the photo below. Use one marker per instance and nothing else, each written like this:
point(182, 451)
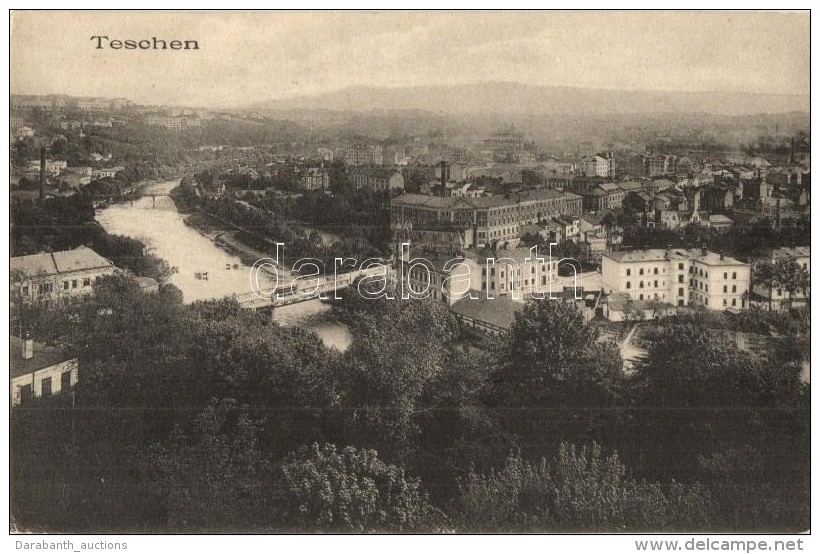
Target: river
point(158, 224)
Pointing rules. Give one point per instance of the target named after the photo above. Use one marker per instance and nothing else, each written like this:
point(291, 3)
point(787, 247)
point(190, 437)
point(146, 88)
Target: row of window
point(656, 297)
point(503, 232)
point(27, 393)
point(48, 288)
point(681, 267)
point(692, 283)
point(641, 271)
point(527, 283)
point(74, 283)
point(648, 284)
point(517, 271)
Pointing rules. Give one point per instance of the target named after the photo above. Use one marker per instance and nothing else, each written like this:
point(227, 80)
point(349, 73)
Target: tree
point(579, 490)
point(552, 376)
point(351, 490)
point(399, 347)
point(793, 277)
point(213, 477)
point(716, 399)
point(766, 274)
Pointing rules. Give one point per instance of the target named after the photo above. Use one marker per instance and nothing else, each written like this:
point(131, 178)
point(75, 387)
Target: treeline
point(746, 242)
point(147, 151)
point(65, 223)
point(262, 228)
point(207, 417)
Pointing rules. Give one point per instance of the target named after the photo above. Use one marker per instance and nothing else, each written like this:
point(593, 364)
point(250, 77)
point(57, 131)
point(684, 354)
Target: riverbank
point(223, 237)
point(194, 248)
point(183, 200)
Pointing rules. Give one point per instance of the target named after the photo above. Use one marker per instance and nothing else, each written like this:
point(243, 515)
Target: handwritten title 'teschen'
point(103, 41)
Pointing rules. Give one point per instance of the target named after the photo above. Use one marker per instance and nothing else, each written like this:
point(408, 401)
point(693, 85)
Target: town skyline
point(243, 59)
point(410, 272)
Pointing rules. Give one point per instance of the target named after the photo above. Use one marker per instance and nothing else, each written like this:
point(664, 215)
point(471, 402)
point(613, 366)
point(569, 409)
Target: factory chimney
point(42, 174)
point(443, 178)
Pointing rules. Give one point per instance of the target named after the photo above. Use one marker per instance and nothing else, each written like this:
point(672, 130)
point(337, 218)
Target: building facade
point(606, 196)
point(378, 179)
point(55, 274)
point(597, 166)
point(314, 178)
point(513, 274)
point(39, 371)
point(493, 219)
point(681, 277)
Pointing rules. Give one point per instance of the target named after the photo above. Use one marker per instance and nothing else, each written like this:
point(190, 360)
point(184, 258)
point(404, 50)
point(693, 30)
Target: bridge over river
point(305, 289)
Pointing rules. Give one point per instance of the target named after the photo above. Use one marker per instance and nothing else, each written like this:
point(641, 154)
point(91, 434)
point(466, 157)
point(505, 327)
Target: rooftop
point(609, 187)
point(792, 252)
point(660, 254)
point(499, 312)
point(631, 185)
point(443, 202)
point(627, 256)
point(53, 263)
point(44, 356)
point(714, 258)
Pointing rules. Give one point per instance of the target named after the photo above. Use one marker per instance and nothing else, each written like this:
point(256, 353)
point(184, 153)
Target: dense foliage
point(213, 418)
point(66, 223)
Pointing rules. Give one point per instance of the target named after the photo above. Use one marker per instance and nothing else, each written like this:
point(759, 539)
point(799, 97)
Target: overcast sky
point(249, 57)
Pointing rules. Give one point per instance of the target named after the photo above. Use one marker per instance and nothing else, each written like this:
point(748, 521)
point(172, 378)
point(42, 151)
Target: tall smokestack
point(443, 178)
point(42, 174)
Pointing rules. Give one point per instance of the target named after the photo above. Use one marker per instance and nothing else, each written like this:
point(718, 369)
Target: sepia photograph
point(410, 272)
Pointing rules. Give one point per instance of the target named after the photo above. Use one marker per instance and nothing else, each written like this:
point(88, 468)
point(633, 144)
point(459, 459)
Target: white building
point(39, 371)
point(54, 274)
point(53, 167)
point(680, 277)
point(514, 274)
point(106, 172)
point(314, 178)
point(596, 166)
point(779, 297)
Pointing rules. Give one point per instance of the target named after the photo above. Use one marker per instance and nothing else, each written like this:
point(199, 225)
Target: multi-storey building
point(606, 196)
point(314, 178)
point(104, 172)
point(650, 166)
point(53, 167)
point(778, 296)
point(379, 179)
point(597, 166)
point(55, 274)
point(800, 254)
point(42, 102)
point(359, 153)
point(484, 220)
point(515, 273)
point(175, 123)
point(680, 277)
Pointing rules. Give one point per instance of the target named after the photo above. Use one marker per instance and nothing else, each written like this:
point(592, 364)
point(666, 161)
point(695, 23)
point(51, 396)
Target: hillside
point(516, 98)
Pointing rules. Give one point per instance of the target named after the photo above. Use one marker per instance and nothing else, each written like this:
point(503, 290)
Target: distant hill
point(516, 98)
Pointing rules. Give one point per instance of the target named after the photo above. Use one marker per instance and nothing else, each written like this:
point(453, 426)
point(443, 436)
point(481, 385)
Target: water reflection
point(156, 222)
